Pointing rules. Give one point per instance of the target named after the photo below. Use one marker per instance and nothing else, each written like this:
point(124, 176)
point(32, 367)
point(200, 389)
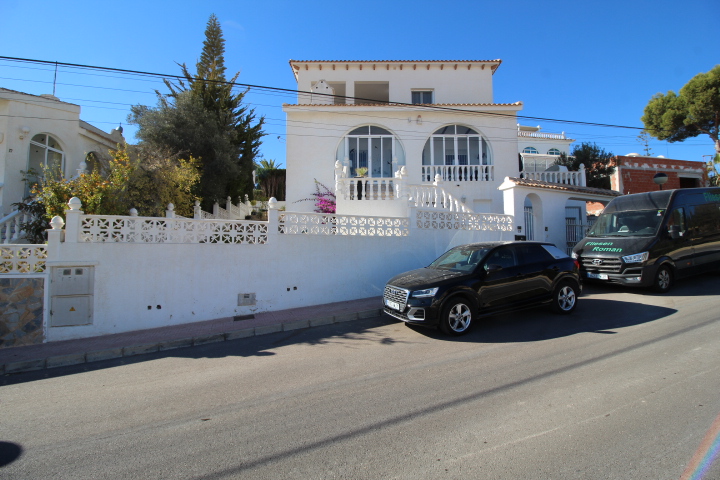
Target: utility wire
point(286, 90)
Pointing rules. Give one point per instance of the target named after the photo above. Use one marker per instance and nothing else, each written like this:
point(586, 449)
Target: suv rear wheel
point(565, 297)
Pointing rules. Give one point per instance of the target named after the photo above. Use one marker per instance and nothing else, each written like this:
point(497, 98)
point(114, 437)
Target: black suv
point(480, 279)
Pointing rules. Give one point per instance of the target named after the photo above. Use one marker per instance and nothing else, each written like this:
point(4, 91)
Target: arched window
point(531, 150)
point(92, 162)
point(554, 151)
point(373, 148)
point(456, 145)
point(45, 151)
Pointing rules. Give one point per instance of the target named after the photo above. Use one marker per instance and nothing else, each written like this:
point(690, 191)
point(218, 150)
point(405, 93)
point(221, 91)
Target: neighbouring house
point(41, 130)
point(380, 133)
point(540, 150)
point(635, 173)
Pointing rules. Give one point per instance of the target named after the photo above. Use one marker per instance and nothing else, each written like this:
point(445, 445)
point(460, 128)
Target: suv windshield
point(460, 259)
point(635, 223)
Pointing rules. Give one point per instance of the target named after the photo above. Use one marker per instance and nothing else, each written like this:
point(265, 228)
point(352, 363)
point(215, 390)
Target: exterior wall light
point(660, 179)
point(24, 132)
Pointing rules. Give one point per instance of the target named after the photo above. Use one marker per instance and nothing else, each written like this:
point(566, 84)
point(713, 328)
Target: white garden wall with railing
point(114, 274)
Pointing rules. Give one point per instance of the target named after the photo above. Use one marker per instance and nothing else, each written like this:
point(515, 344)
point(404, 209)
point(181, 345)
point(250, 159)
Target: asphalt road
point(625, 388)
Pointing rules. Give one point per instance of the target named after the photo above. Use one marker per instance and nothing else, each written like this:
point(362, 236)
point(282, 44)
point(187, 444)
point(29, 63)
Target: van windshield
point(637, 223)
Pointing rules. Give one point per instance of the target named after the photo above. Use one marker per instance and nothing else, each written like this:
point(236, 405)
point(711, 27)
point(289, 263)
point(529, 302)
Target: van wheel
point(565, 297)
point(457, 317)
point(663, 279)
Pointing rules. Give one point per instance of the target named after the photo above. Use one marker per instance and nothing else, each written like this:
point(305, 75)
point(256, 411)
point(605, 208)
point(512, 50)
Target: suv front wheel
point(457, 317)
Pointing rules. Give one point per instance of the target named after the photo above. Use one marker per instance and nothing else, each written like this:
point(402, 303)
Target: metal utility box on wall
point(71, 300)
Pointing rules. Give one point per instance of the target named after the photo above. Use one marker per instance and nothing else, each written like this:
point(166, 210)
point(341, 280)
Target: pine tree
point(204, 118)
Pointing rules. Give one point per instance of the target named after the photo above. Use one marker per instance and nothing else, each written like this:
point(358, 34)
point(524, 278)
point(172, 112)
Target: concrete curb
point(140, 349)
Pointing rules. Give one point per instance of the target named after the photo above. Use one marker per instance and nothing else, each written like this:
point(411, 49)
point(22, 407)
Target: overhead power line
point(286, 90)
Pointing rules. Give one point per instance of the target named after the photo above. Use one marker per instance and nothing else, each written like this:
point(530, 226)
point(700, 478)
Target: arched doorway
point(533, 212)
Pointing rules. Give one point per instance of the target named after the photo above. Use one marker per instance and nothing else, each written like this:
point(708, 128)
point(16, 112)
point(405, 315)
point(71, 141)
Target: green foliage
point(37, 225)
point(599, 164)
point(271, 179)
point(694, 111)
point(100, 195)
point(148, 183)
point(644, 140)
point(159, 179)
point(202, 117)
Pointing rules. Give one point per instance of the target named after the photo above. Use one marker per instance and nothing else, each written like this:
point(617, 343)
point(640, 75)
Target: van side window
point(705, 219)
point(676, 222)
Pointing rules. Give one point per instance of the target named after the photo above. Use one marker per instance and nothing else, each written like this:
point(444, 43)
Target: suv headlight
point(428, 292)
point(635, 258)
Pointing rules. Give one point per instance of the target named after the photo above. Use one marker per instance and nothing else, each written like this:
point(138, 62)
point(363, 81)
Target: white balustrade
point(550, 136)
point(565, 178)
point(366, 188)
point(434, 197)
point(458, 173)
point(10, 227)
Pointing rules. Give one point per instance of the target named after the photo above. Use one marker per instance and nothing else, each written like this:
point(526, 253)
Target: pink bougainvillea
point(323, 197)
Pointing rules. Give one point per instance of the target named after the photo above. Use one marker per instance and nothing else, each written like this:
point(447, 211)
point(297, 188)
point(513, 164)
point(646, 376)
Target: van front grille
point(601, 265)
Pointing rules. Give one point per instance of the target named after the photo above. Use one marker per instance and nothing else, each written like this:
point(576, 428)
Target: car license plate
point(393, 305)
point(599, 276)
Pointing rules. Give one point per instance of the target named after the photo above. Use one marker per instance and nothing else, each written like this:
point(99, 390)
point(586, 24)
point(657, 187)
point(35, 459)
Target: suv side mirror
point(492, 267)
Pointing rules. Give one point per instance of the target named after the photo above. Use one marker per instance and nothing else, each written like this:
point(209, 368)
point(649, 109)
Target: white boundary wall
point(196, 270)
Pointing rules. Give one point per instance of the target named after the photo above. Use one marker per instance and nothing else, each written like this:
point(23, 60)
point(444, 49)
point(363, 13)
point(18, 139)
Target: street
point(624, 388)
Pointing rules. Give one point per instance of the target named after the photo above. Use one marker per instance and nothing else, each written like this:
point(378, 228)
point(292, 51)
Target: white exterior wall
point(39, 114)
point(452, 82)
point(311, 153)
point(314, 132)
point(290, 270)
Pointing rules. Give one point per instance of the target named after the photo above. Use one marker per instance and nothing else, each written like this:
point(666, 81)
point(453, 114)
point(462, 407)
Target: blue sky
point(589, 61)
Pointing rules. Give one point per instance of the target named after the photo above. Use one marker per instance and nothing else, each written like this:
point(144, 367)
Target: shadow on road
point(9, 452)
point(602, 309)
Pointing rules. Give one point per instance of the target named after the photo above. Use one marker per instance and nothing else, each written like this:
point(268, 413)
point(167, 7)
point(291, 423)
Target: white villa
point(427, 133)
point(38, 131)
point(420, 159)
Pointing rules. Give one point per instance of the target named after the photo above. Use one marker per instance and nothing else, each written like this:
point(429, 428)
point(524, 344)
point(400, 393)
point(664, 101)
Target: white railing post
point(581, 174)
point(273, 228)
point(55, 237)
point(197, 211)
point(16, 229)
point(72, 220)
point(170, 212)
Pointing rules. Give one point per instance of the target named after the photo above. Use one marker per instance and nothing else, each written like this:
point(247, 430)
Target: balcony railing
point(564, 178)
point(550, 136)
point(458, 173)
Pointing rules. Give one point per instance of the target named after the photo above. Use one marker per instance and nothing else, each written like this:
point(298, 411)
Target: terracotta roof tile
point(524, 182)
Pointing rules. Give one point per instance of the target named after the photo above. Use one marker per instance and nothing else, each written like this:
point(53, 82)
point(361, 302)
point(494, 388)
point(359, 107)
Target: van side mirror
point(674, 231)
